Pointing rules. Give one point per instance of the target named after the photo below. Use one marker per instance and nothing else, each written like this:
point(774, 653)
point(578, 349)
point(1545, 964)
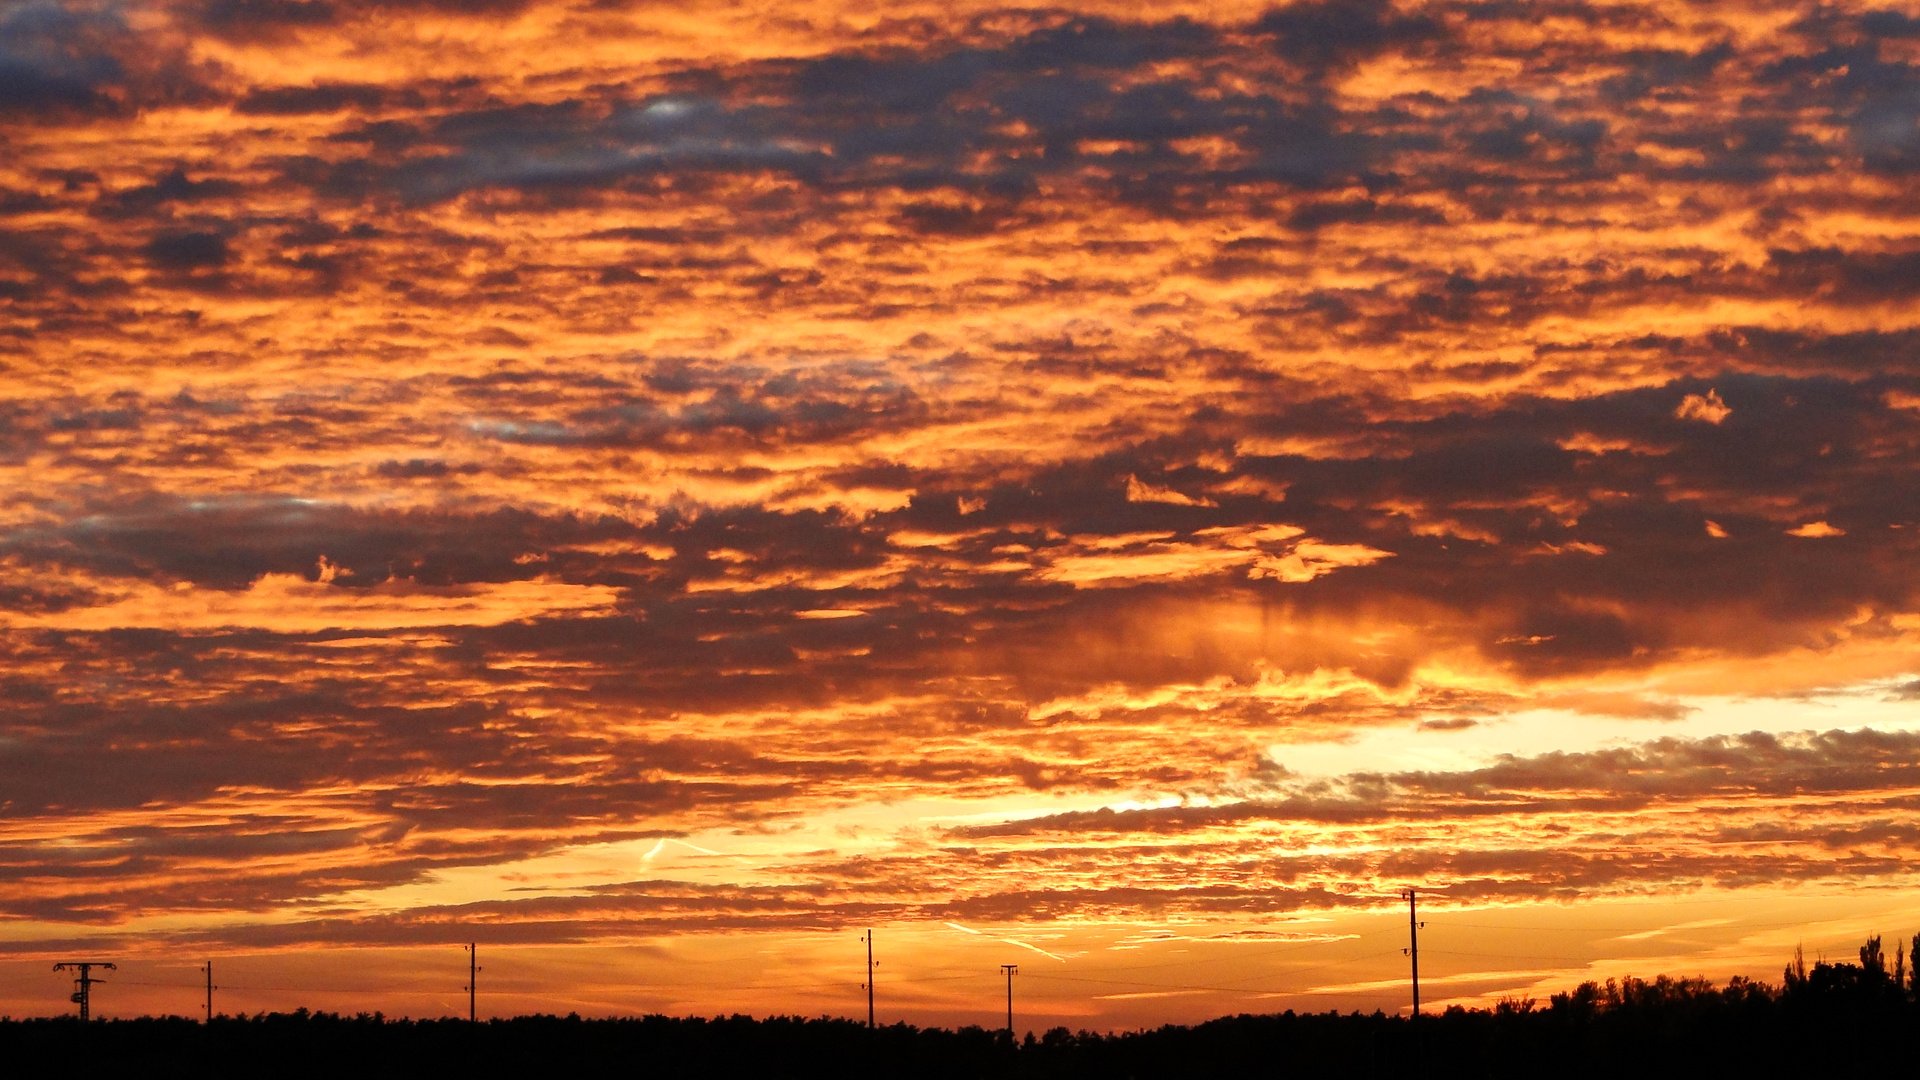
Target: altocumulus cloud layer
point(438, 436)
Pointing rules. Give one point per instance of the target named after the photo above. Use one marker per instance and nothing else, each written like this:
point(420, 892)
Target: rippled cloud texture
point(947, 462)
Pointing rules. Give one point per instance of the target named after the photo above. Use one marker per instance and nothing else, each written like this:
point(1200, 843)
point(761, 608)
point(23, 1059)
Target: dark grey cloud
point(176, 188)
point(1657, 73)
point(1849, 276)
point(940, 125)
point(70, 59)
point(1867, 765)
point(54, 57)
point(856, 121)
point(743, 408)
point(229, 542)
point(1759, 763)
point(1521, 582)
point(188, 251)
point(846, 115)
point(1318, 34)
point(303, 100)
point(1528, 510)
point(249, 20)
point(1848, 71)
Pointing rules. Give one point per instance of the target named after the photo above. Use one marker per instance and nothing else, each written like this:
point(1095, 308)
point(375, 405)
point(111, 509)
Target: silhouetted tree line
point(1830, 1019)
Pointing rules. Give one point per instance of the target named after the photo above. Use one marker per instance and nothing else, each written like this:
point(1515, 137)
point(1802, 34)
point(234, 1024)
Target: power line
point(1085, 975)
point(1514, 956)
point(1213, 989)
point(1147, 986)
point(1728, 925)
point(905, 980)
point(1244, 955)
point(945, 978)
point(405, 988)
point(1340, 963)
point(428, 988)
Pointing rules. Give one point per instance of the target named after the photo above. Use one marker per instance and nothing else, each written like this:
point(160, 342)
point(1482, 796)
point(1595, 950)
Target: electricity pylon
point(83, 986)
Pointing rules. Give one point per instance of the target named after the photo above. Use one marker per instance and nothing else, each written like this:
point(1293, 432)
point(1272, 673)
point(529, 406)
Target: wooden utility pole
point(868, 985)
point(1413, 953)
point(1010, 969)
point(208, 968)
point(1413, 949)
point(473, 980)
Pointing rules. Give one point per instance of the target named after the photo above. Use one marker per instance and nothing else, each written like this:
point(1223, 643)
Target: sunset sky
point(659, 489)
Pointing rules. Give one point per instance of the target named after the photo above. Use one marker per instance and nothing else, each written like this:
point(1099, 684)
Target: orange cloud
point(1709, 408)
point(288, 604)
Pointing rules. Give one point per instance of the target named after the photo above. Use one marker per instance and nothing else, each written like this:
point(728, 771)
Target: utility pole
point(473, 980)
point(1011, 970)
point(1413, 953)
point(1413, 949)
point(208, 968)
point(868, 985)
point(83, 986)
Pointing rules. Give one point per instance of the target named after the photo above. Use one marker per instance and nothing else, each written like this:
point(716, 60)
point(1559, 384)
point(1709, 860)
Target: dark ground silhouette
point(1830, 1020)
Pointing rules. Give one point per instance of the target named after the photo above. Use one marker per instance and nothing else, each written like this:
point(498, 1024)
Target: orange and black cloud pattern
point(439, 437)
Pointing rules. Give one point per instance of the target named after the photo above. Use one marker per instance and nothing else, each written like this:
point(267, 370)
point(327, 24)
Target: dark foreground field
point(1834, 1020)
